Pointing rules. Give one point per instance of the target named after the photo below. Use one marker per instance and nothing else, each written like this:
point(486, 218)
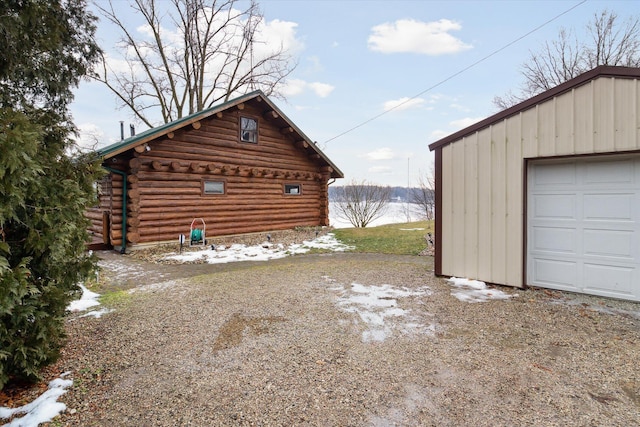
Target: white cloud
point(321, 89)
point(465, 122)
point(411, 36)
point(459, 107)
point(403, 104)
point(296, 87)
point(90, 136)
point(456, 125)
point(384, 153)
point(438, 134)
point(293, 87)
point(277, 34)
point(381, 169)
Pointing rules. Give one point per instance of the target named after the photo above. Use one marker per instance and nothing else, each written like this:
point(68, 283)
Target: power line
point(467, 68)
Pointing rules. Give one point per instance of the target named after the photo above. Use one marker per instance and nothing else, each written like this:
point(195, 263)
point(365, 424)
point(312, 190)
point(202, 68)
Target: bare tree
point(360, 202)
point(423, 196)
point(190, 54)
point(608, 41)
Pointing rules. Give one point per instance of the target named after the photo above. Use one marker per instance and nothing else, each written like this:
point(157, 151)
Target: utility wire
point(467, 68)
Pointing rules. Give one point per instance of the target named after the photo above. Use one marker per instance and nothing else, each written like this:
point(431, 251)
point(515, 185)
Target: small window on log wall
point(293, 189)
point(248, 130)
point(213, 187)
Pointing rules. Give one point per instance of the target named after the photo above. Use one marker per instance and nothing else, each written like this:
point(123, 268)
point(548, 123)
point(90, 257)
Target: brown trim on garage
point(437, 264)
point(601, 71)
point(525, 219)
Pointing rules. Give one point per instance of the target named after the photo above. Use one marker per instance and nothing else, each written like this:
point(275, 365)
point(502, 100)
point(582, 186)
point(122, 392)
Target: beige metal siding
point(471, 205)
point(514, 212)
point(483, 179)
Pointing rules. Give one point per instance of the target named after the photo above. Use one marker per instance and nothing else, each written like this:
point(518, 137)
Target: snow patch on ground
point(263, 252)
point(377, 307)
point(467, 290)
point(87, 300)
point(41, 410)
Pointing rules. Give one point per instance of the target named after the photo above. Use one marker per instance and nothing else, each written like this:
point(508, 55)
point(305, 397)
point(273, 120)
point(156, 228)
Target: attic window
point(293, 189)
point(248, 130)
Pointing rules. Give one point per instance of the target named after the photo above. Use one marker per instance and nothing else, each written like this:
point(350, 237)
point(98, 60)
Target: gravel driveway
point(295, 342)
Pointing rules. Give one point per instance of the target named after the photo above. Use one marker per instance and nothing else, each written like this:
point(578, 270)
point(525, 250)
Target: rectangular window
point(213, 187)
point(294, 189)
point(248, 130)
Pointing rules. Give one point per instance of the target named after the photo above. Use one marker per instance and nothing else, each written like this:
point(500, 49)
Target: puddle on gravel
point(234, 330)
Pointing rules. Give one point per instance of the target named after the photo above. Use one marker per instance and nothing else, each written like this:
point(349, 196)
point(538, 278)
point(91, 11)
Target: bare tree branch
point(608, 42)
point(189, 55)
point(423, 196)
point(360, 202)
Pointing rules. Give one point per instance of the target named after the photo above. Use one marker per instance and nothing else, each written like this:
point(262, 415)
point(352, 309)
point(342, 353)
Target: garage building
point(547, 192)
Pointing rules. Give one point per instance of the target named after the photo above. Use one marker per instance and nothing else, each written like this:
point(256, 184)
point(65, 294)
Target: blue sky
point(356, 58)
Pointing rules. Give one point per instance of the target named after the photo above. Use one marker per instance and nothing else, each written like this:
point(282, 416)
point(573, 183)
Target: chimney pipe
point(121, 130)
point(132, 129)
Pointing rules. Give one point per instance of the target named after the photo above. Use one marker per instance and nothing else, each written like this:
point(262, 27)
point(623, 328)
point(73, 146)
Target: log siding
point(165, 180)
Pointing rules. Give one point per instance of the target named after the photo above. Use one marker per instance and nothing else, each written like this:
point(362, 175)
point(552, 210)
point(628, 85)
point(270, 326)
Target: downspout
point(124, 206)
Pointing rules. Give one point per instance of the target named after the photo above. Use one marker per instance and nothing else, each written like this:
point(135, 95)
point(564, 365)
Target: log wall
point(165, 184)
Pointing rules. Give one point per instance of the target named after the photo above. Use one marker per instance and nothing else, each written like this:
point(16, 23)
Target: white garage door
point(583, 226)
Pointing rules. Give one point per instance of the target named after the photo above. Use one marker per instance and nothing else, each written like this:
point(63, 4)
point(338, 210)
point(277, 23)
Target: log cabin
point(240, 167)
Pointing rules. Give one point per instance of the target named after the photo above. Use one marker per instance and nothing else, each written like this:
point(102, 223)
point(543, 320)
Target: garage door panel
point(554, 239)
point(609, 280)
point(609, 206)
point(609, 243)
point(555, 206)
point(609, 172)
point(555, 175)
point(555, 273)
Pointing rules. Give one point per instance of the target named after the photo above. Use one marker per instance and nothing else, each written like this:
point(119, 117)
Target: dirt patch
point(238, 326)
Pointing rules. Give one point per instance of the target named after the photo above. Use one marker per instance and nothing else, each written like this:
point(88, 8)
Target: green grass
point(115, 298)
point(399, 239)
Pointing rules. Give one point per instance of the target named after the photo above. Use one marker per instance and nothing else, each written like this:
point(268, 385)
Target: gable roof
point(153, 133)
point(601, 71)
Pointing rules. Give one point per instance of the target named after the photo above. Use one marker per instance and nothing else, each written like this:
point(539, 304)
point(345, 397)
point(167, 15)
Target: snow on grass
point(467, 290)
point(377, 307)
point(41, 410)
point(87, 300)
point(263, 252)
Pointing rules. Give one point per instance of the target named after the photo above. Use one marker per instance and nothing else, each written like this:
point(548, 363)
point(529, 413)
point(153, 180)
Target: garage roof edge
point(601, 71)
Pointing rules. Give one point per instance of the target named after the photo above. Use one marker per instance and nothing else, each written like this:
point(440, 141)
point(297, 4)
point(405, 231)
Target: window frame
point(220, 181)
point(241, 130)
point(292, 185)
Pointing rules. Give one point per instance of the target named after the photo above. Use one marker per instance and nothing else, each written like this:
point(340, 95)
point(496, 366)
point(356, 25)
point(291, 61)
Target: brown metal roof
point(601, 71)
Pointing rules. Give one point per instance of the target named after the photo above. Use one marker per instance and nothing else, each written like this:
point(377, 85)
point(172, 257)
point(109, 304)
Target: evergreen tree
point(47, 47)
